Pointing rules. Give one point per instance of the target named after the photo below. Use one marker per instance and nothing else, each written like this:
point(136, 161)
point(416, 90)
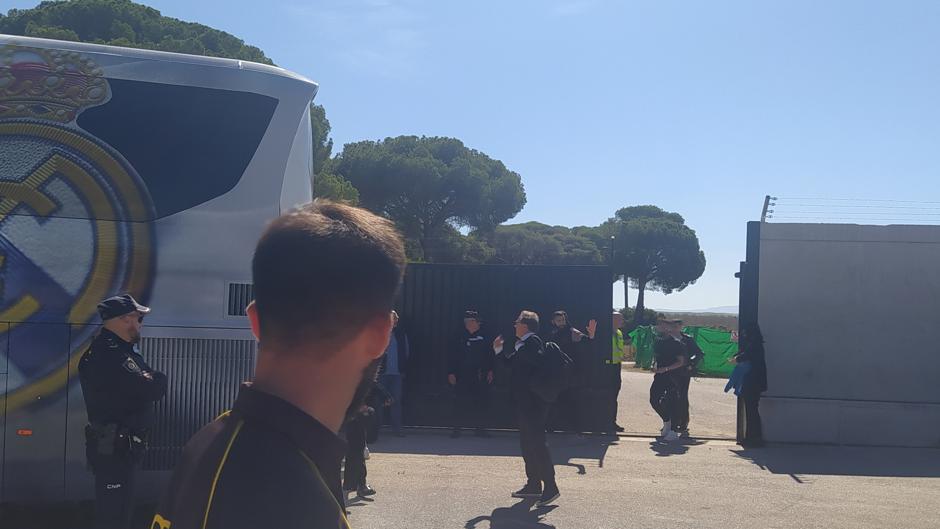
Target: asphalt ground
point(712, 411)
point(427, 480)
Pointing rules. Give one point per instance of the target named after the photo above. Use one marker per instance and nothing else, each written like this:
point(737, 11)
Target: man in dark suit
point(524, 358)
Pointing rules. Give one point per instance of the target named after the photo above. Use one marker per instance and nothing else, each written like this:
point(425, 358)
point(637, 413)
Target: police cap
point(118, 306)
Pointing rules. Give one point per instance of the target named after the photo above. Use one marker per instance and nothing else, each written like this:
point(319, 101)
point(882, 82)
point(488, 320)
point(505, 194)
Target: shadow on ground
point(809, 460)
point(565, 447)
point(673, 448)
point(519, 516)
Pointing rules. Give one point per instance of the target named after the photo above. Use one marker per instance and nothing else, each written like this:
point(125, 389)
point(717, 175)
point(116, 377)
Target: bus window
point(188, 144)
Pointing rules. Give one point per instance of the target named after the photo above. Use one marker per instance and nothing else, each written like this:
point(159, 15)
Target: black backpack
point(554, 373)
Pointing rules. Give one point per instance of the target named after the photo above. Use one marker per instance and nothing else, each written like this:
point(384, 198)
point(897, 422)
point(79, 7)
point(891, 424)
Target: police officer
point(119, 390)
point(470, 371)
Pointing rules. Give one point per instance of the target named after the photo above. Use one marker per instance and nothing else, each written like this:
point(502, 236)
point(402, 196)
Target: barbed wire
point(856, 210)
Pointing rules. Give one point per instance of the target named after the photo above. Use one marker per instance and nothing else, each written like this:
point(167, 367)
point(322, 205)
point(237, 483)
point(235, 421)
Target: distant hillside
point(707, 319)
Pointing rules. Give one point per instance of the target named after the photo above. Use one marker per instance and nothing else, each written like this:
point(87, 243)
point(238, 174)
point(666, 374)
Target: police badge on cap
point(118, 306)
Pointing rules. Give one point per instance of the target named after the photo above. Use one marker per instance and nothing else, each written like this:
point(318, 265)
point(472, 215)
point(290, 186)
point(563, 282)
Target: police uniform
point(119, 390)
point(470, 362)
point(266, 463)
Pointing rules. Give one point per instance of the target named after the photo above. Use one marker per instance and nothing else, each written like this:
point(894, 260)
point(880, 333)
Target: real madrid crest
point(74, 215)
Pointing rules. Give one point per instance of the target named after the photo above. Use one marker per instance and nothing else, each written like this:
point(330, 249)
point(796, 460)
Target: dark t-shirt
point(264, 464)
point(667, 351)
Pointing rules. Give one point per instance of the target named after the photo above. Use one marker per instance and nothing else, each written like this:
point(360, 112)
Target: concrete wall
point(851, 318)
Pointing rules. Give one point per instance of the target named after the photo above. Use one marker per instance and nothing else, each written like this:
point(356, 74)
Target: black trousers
point(354, 475)
point(750, 428)
point(533, 414)
point(683, 379)
point(114, 490)
point(471, 405)
point(664, 396)
point(616, 383)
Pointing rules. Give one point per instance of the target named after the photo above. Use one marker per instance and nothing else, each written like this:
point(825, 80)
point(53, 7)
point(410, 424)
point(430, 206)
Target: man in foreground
point(523, 358)
point(325, 277)
point(119, 390)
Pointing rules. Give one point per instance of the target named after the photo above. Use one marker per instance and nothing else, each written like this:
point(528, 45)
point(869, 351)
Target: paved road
point(712, 410)
point(428, 481)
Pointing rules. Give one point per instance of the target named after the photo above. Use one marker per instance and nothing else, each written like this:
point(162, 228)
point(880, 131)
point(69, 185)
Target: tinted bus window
point(188, 144)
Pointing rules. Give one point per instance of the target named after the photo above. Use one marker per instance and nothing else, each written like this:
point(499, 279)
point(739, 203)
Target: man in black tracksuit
point(119, 390)
point(470, 372)
point(523, 358)
point(670, 360)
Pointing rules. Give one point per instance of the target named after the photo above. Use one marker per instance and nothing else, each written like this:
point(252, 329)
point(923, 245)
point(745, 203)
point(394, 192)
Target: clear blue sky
point(698, 107)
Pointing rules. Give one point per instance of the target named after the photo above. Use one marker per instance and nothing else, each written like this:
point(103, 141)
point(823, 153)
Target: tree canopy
point(426, 184)
point(537, 243)
point(654, 249)
point(125, 23)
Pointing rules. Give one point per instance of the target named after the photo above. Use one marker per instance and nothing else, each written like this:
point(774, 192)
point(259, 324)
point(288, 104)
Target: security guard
point(119, 390)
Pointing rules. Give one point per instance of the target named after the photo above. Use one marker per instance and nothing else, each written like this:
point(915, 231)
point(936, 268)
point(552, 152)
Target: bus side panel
point(79, 481)
point(35, 421)
point(4, 338)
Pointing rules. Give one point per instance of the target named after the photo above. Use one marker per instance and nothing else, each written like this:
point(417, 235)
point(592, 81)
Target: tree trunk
point(640, 307)
point(626, 292)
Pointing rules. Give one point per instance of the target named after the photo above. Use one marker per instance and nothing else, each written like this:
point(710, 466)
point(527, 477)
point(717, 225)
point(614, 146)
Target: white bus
point(125, 170)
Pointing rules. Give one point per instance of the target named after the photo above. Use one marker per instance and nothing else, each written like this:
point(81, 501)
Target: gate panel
point(431, 306)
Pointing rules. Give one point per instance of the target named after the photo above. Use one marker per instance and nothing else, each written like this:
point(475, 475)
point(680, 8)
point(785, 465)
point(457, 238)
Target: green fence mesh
point(715, 343)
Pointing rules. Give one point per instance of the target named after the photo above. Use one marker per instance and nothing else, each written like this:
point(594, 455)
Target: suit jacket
point(523, 362)
point(404, 351)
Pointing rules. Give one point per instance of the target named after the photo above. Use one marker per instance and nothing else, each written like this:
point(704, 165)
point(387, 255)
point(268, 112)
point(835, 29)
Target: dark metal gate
point(432, 303)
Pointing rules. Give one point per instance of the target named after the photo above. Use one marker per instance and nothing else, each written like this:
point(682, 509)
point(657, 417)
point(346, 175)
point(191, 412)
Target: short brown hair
point(322, 271)
point(530, 319)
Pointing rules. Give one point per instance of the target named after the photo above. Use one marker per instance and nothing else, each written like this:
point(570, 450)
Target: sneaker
point(529, 491)
point(365, 453)
point(667, 427)
point(670, 436)
point(365, 490)
point(551, 494)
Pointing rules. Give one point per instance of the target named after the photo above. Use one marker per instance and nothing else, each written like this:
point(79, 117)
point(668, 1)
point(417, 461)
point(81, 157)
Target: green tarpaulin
point(715, 343)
